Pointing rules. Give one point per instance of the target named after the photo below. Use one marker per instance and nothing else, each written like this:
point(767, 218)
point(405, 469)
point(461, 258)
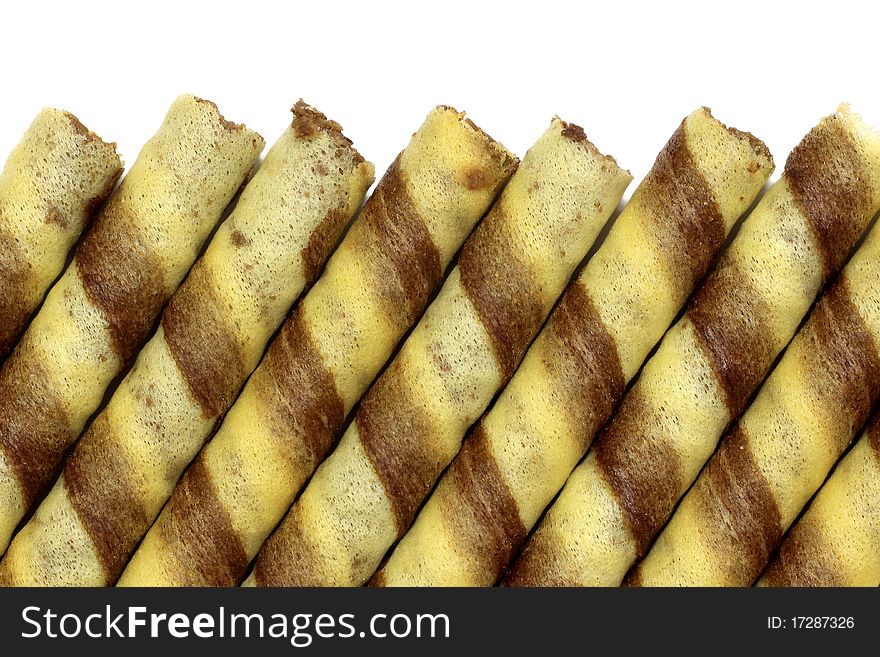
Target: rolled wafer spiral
point(53, 181)
point(469, 342)
point(98, 314)
point(837, 541)
point(212, 335)
point(780, 451)
point(292, 410)
point(517, 457)
point(711, 361)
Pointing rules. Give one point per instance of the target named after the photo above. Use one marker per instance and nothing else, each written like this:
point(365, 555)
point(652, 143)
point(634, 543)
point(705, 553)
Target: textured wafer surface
point(837, 541)
point(712, 360)
point(98, 314)
point(54, 179)
point(291, 412)
point(471, 339)
point(212, 335)
point(517, 457)
point(781, 450)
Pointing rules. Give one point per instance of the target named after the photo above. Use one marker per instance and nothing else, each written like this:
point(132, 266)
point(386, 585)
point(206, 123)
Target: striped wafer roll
point(100, 311)
point(212, 335)
point(837, 541)
point(711, 361)
point(780, 451)
point(292, 410)
point(517, 457)
point(55, 178)
point(471, 339)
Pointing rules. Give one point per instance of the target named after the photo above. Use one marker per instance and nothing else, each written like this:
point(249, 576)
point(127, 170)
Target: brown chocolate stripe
point(321, 241)
point(34, 431)
point(300, 394)
point(633, 578)
point(396, 434)
point(121, 277)
point(731, 323)
point(582, 358)
point(846, 374)
point(203, 345)
point(288, 557)
point(828, 180)
point(98, 481)
point(745, 526)
point(874, 433)
point(502, 289)
point(640, 467)
point(803, 560)
point(197, 531)
point(15, 293)
point(404, 259)
point(92, 204)
point(484, 513)
point(684, 215)
point(531, 568)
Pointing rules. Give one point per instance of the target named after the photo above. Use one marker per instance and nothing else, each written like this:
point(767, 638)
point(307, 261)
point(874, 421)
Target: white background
point(627, 72)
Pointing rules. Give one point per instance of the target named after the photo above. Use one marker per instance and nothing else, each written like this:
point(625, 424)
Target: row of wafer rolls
point(550, 212)
point(96, 317)
point(837, 540)
point(290, 414)
point(53, 180)
point(211, 336)
point(711, 361)
point(466, 346)
point(517, 457)
point(464, 349)
point(782, 448)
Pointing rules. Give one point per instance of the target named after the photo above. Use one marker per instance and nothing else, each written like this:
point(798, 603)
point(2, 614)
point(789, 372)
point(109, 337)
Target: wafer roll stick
point(517, 457)
point(711, 361)
point(837, 541)
point(780, 451)
point(55, 178)
point(211, 337)
point(102, 308)
point(292, 410)
point(471, 339)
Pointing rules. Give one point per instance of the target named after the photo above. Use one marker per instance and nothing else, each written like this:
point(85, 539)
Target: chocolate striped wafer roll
point(837, 541)
point(780, 451)
point(212, 335)
point(292, 410)
point(711, 361)
point(98, 314)
point(53, 181)
point(517, 457)
point(471, 339)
